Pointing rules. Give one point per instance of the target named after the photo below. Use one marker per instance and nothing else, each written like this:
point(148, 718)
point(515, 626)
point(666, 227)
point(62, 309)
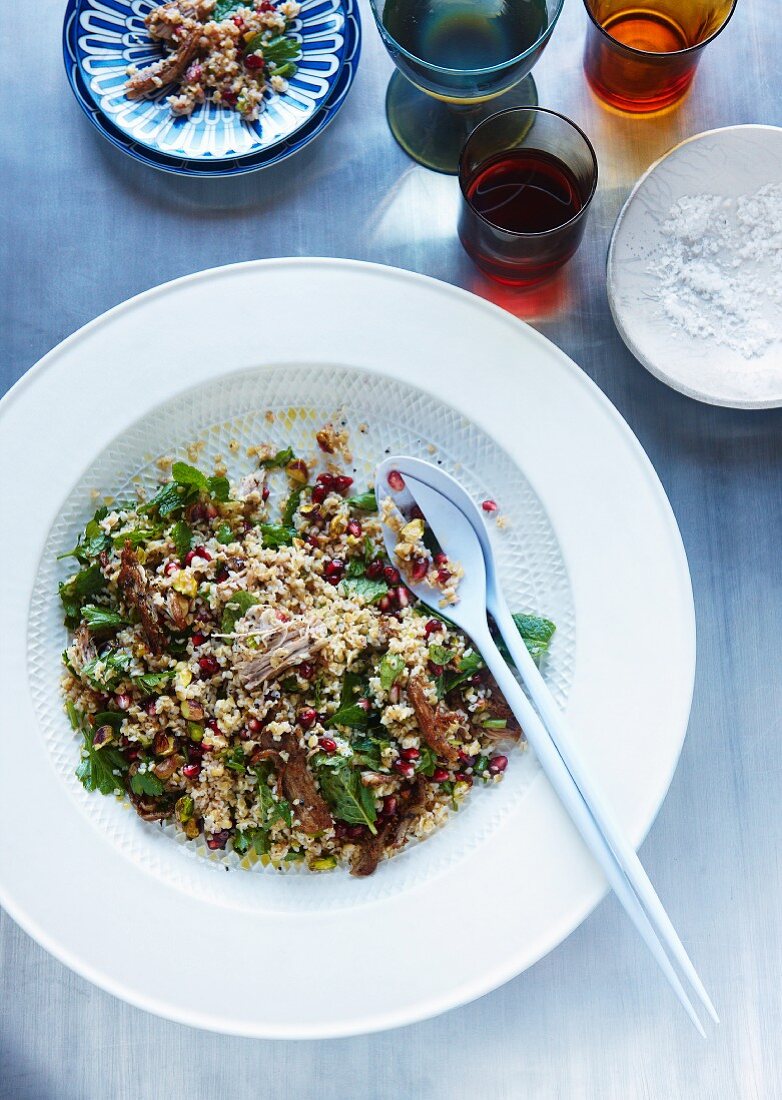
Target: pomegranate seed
point(265, 493)
point(342, 484)
point(333, 570)
point(307, 717)
point(498, 764)
point(355, 832)
point(375, 569)
point(196, 513)
point(222, 576)
point(440, 559)
point(416, 513)
point(363, 703)
point(319, 494)
point(171, 567)
point(489, 505)
point(354, 528)
point(132, 754)
point(460, 777)
point(197, 640)
point(435, 669)
point(312, 540)
point(391, 575)
point(123, 701)
point(419, 569)
point(191, 771)
point(218, 840)
point(328, 744)
point(212, 725)
point(402, 597)
point(410, 754)
point(253, 725)
point(439, 775)
point(254, 61)
point(210, 511)
point(237, 19)
point(443, 576)
point(468, 761)
point(433, 626)
point(208, 665)
point(230, 98)
point(385, 603)
point(404, 769)
point(390, 804)
point(306, 670)
point(327, 481)
point(396, 481)
point(151, 708)
point(202, 552)
point(265, 5)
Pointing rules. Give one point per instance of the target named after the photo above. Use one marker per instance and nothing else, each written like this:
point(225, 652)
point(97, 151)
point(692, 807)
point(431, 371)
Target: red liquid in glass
point(525, 192)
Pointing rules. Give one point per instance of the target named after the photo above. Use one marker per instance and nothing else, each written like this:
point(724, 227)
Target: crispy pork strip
point(369, 851)
point(435, 724)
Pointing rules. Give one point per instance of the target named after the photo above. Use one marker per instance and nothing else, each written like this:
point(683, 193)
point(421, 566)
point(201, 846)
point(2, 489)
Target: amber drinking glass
point(641, 56)
point(527, 177)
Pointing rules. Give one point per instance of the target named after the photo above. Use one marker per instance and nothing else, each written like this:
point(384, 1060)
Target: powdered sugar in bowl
point(695, 268)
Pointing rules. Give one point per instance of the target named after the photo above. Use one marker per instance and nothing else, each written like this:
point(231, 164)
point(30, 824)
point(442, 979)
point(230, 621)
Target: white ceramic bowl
point(729, 163)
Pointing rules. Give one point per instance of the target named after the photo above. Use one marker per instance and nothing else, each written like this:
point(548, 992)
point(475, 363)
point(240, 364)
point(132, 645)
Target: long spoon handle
point(573, 800)
point(568, 749)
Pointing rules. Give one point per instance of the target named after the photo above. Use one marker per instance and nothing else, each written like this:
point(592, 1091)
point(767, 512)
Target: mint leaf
point(238, 605)
point(224, 8)
point(369, 590)
point(189, 475)
point(182, 537)
point(341, 786)
point(75, 592)
point(224, 534)
point(219, 488)
point(536, 632)
point(150, 682)
point(106, 672)
point(274, 535)
point(102, 618)
point(291, 508)
point(282, 458)
point(390, 667)
point(96, 769)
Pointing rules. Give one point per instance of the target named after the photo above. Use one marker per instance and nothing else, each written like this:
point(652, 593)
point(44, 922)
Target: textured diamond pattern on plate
point(383, 415)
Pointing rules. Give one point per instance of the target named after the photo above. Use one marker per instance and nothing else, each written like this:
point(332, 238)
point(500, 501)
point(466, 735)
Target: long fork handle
point(573, 800)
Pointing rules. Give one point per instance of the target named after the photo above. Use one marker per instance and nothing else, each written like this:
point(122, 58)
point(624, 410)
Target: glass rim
point(647, 54)
point(540, 232)
point(466, 72)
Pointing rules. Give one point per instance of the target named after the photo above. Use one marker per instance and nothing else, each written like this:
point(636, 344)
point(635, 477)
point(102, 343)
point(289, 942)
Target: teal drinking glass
point(458, 61)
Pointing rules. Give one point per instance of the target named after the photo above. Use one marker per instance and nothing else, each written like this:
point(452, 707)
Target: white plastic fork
point(460, 530)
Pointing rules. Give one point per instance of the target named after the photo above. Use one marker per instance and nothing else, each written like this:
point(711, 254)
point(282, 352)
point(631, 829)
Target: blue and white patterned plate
point(103, 37)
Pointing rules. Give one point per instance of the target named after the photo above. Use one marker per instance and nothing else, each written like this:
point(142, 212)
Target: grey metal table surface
point(83, 228)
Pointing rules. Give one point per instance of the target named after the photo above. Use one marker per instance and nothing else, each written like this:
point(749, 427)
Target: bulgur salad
point(245, 663)
point(229, 51)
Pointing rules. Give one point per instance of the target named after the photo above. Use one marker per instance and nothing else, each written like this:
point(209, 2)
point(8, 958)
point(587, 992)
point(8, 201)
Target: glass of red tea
point(527, 177)
point(641, 56)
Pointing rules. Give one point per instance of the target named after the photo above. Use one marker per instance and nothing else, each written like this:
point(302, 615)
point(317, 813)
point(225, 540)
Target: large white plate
point(726, 163)
point(301, 956)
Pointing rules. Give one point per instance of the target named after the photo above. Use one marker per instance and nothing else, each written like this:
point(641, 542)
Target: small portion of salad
point(230, 52)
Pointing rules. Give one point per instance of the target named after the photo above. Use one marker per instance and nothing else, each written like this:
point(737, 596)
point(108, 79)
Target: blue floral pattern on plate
point(103, 37)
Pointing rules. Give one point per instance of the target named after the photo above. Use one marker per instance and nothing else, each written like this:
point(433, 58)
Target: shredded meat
point(134, 586)
point(284, 644)
point(369, 851)
point(498, 708)
point(83, 648)
point(167, 70)
point(434, 723)
point(296, 780)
